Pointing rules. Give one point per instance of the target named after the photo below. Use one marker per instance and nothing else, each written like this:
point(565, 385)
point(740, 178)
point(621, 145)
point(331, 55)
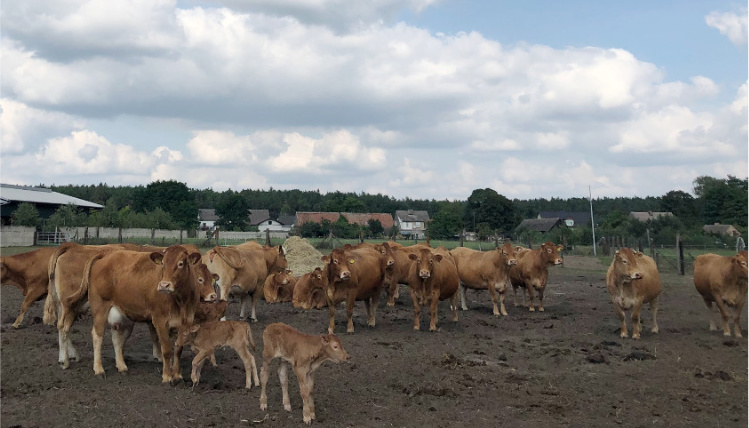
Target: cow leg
point(529, 288)
point(50, 309)
point(168, 366)
point(372, 317)
point(622, 318)
point(462, 291)
point(97, 337)
point(710, 313)
point(311, 386)
point(243, 302)
point(493, 294)
point(197, 365)
point(502, 309)
point(636, 323)
point(64, 324)
point(331, 310)
point(249, 365)
point(515, 296)
point(433, 309)
point(417, 308)
point(454, 306)
point(392, 287)
point(283, 376)
point(540, 299)
point(26, 304)
point(736, 318)
point(256, 298)
point(301, 375)
point(350, 301)
point(120, 333)
point(156, 347)
point(654, 310)
point(264, 382)
point(724, 316)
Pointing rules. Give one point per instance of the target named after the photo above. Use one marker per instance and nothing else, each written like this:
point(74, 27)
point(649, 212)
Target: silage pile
point(301, 255)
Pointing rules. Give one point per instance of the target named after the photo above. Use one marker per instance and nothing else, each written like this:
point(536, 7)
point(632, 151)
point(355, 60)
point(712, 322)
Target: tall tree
point(682, 205)
point(232, 211)
point(171, 196)
point(25, 215)
point(492, 208)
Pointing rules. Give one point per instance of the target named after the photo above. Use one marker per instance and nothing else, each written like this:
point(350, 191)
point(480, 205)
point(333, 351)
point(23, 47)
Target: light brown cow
point(401, 267)
point(204, 338)
point(309, 291)
point(633, 279)
point(279, 287)
point(433, 277)
point(722, 280)
point(28, 272)
point(243, 269)
point(532, 271)
point(126, 287)
point(482, 270)
point(354, 274)
point(305, 353)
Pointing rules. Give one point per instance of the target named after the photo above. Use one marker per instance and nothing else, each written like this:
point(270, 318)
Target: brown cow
point(28, 272)
point(305, 353)
point(210, 311)
point(401, 267)
point(126, 287)
point(354, 274)
point(723, 280)
point(532, 271)
point(279, 287)
point(204, 338)
point(632, 279)
point(309, 291)
point(481, 270)
point(245, 267)
point(433, 277)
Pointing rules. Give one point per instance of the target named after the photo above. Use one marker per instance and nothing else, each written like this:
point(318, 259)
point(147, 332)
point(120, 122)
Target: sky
point(426, 99)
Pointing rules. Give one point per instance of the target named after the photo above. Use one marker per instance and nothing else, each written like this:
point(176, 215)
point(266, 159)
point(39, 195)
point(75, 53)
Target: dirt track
point(564, 366)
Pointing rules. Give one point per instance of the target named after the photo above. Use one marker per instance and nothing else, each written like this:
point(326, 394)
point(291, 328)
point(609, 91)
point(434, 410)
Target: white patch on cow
point(116, 316)
point(625, 302)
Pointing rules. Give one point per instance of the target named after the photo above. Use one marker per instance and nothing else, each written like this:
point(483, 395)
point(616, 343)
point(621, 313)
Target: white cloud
point(731, 24)
point(24, 128)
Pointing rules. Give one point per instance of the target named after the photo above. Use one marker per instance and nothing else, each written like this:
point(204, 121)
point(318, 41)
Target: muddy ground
point(566, 366)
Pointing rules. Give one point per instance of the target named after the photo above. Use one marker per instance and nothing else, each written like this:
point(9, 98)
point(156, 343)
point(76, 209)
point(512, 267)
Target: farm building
point(542, 225)
point(412, 224)
point(721, 230)
point(45, 200)
point(359, 218)
point(570, 218)
point(207, 218)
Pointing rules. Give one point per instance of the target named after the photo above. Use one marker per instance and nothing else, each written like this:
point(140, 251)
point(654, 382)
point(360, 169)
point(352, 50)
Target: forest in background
point(172, 205)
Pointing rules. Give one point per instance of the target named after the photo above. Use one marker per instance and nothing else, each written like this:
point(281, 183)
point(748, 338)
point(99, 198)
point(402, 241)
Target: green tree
point(490, 207)
point(171, 196)
point(682, 205)
point(447, 222)
point(375, 227)
point(25, 215)
point(232, 211)
point(722, 200)
point(67, 216)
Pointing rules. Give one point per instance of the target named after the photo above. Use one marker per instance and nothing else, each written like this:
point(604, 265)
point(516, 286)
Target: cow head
point(424, 262)
point(178, 267)
point(186, 335)
point(206, 283)
point(332, 348)
point(550, 253)
point(508, 254)
point(625, 265)
point(386, 252)
point(740, 261)
point(275, 258)
point(338, 265)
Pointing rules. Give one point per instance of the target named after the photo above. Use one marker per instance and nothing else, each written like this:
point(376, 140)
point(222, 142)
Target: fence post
point(267, 237)
point(153, 236)
point(461, 239)
point(679, 254)
point(85, 236)
point(217, 236)
point(530, 246)
point(652, 249)
point(180, 237)
point(119, 235)
point(639, 245)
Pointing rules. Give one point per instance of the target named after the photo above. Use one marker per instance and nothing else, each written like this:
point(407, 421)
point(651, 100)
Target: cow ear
point(560, 247)
point(280, 250)
point(325, 259)
point(194, 328)
point(215, 277)
point(438, 257)
point(157, 258)
point(194, 258)
point(386, 246)
point(325, 340)
point(413, 256)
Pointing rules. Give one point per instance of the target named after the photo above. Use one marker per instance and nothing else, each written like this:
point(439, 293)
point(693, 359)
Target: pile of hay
point(301, 255)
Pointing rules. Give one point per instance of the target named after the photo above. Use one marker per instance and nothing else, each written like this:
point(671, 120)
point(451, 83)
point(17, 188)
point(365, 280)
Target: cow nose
point(165, 286)
point(425, 274)
point(513, 262)
point(345, 274)
point(558, 262)
point(391, 262)
point(637, 275)
point(211, 297)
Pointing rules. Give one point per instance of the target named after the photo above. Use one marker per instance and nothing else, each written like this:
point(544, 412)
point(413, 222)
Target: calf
point(481, 270)
point(722, 280)
point(305, 353)
point(279, 287)
point(28, 272)
point(309, 291)
point(204, 338)
point(210, 311)
point(433, 277)
point(632, 279)
point(532, 271)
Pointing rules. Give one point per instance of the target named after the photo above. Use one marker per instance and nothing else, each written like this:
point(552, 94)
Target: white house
point(412, 224)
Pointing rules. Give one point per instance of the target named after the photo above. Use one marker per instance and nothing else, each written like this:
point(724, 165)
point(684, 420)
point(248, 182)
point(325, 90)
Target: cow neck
point(186, 297)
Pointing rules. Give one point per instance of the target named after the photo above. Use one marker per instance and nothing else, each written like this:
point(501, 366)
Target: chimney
point(410, 211)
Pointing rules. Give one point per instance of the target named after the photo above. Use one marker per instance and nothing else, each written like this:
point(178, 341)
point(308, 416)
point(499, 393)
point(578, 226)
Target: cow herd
point(182, 295)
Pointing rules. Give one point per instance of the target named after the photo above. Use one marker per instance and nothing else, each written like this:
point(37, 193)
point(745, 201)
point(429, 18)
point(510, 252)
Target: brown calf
point(279, 287)
point(305, 353)
point(309, 291)
point(722, 280)
point(28, 272)
point(204, 338)
point(632, 279)
point(532, 271)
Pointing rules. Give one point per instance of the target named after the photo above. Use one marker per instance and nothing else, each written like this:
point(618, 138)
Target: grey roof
point(720, 229)
point(207, 214)
point(580, 218)
point(259, 216)
point(287, 220)
point(539, 224)
point(649, 215)
point(412, 215)
point(41, 195)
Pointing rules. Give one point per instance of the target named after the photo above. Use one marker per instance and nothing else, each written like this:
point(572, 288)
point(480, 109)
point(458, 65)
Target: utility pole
point(592, 222)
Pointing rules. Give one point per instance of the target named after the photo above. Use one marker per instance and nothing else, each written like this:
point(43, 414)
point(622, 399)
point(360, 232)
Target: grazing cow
point(204, 338)
point(28, 272)
point(723, 280)
point(279, 287)
point(126, 287)
point(481, 270)
point(354, 274)
point(632, 279)
point(245, 267)
point(532, 271)
point(433, 277)
point(305, 353)
point(309, 291)
point(401, 267)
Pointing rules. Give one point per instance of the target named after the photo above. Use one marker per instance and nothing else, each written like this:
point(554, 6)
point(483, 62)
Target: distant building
point(45, 200)
point(542, 225)
point(644, 216)
point(287, 222)
point(207, 219)
point(359, 218)
point(721, 230)
point(570, 218)
point(412, 223)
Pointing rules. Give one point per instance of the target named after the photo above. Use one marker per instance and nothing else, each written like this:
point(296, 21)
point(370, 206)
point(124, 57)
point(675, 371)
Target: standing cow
point(481, 270)
point(632, 279)
point(532, 271)
point(433, 277)
point(28, 272)
point(722, 280)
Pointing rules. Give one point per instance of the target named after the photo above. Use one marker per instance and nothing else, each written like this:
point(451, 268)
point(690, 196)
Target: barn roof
point(361, 218)
point(259, 216)
point(287, 220)
point(539, 224)
point(580, 218)
point(412, 216)
point(41, 195)
point(207, 214)
point(721, 229)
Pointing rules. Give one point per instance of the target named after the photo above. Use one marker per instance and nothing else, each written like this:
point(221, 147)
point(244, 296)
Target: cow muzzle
point(345, 275)
point(636, 275)
point(512, 262)
point(211, 297)
point(165, 286)
point(425, 274)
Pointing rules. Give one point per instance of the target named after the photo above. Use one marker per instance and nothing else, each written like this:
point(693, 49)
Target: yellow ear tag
point(351, 261)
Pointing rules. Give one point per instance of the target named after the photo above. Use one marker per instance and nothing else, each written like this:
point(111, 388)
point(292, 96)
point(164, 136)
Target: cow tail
point(53, 260)
point(218, 251)
point(50, 310)
point(85, 280)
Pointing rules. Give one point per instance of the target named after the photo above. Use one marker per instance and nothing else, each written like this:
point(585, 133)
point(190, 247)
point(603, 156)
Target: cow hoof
point(654, 330)
point(16, 325)
point(287, 407)
point(624, 335)
point(726, 334)
point(122, 370)
point(263, 407)
point(531, 309)
point(540, 309)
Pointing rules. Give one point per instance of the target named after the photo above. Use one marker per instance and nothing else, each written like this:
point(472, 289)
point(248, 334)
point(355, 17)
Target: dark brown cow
point(28, 272)
point(305, 353)
point(532, 271)
point(126, 287)
point(723, 280)
point(482, 270)
point(433, 277)
point(245, 268)
point(309, 291)
point(354, 274)
point(279, 287)
point(633, 279)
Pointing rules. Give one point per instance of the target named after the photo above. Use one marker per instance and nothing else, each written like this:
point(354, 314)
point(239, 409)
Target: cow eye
point(624, 261)
point(180, 264)
point(200, 280)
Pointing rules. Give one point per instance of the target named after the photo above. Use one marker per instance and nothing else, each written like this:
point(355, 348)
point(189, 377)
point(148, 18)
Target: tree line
point(172, 204)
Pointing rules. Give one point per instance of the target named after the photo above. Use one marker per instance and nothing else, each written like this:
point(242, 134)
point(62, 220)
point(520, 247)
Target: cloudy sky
point(410, 98)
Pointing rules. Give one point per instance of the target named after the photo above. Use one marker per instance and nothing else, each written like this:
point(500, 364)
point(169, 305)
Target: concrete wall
point(16, 236)
point(251, 235)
